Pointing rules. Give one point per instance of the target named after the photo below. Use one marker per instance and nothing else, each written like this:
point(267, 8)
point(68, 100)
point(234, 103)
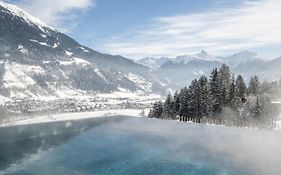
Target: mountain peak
point(16, 11)
point(204, 54)
point(241, 58)
point(153, 63)
point(36, 57)
point(246, 54)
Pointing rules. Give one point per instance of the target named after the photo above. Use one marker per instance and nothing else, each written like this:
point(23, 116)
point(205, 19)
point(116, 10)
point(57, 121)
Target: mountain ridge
point(192, 66)
point(36, 61)
point(237, 58)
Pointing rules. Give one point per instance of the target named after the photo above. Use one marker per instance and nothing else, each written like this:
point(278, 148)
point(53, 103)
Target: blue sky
point(141, 28)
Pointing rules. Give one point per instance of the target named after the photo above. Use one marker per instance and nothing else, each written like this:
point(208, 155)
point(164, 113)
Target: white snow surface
point(74, 60)
point(41, 43)
point(16, 76)
point(84, 49)
point(75, 116)
point(68, 53)
point(140, 81)
point(81, 61)
point(16, 11)
point(22, 49)
point(3, 100)
point(135, 96)
point(153, 63)
point(241, 58)
point(203, 55)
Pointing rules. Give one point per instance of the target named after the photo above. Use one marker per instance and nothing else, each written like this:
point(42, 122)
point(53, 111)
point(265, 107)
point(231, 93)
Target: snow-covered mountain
point(242, 58)
point(271, 70)
point(235, 60)
point(202, 56)
point(180, 70)
point(36, 61)
point(153, 63)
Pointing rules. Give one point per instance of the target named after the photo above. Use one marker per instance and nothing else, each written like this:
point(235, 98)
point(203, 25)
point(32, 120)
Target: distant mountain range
point(37, 61)
point(179, 71)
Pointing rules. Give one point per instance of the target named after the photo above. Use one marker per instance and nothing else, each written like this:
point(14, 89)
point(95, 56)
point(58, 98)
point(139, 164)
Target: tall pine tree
point(184, 102)
point(225, 81)
point(241, 87)
point(254, 85)
point(176, 103)
point(205, 97)
point(215, 91)
point(168, 107)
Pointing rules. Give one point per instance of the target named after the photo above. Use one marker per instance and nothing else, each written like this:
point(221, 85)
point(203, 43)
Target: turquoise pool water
point(140, 146)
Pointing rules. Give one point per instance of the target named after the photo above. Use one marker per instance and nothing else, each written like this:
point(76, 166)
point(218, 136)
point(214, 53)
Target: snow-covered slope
point(241, 58)
point(180, 70)
point(153, 63)
point(202, 56)
point(36, 60)
point(15, 11)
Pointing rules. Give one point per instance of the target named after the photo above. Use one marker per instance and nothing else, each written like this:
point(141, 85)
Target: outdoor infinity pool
point(122, 145)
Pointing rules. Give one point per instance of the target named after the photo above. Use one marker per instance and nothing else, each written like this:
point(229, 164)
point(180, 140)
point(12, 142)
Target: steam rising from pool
point(148, 146)
point(251, 150)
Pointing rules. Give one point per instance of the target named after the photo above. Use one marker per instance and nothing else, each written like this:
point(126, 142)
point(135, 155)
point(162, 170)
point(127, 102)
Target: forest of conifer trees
point(222, 99)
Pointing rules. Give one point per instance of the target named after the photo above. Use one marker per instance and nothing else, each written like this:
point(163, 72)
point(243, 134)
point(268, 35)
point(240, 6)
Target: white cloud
point(55, 12)
point(253, 24)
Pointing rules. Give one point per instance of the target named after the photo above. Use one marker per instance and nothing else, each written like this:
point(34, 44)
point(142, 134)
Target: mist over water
point(148, 146)
point(251, 151)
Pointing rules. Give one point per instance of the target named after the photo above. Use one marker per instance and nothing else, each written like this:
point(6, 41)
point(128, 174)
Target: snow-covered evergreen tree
point(241, 87)
point(257, 109)
point(225, 80)
point(157, 110)
point(254, 85)
point(176, 103)
point(206, 99)
point(222, 98)
point(194, 107)
point(184, 102)
point(168, 107)
point(233, 100)
point(215, 91)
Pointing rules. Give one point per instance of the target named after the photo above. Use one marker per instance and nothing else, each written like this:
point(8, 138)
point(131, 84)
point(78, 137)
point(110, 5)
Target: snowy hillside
point(37, 61)
point(234, 60)
point(15, 11)
point(153, 63)
point(192, 66)
point(241, 58)
point(202, 56)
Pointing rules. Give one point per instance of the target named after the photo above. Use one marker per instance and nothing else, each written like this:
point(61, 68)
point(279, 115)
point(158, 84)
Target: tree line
point(222, 98)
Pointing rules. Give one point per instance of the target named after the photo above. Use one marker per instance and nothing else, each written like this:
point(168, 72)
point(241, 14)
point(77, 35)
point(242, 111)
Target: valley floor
point(30, 111)
point(74, 116)
point(95, 114)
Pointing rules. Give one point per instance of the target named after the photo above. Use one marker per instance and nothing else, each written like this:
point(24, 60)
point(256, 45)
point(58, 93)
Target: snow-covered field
point(81, 106)
point(75, 116)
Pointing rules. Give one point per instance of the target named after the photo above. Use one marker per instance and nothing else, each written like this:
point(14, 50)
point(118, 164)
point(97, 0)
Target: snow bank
point(75, 116)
